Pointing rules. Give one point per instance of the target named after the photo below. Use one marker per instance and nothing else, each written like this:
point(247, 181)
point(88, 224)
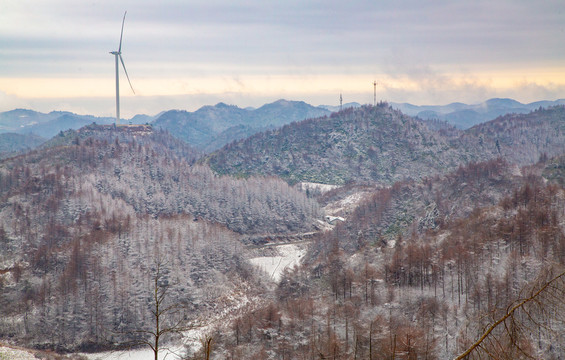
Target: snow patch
point(347, 204)
point(516, 170)
point(15, 354)
point(322, 188)
point(141, 354)
point(290, 255)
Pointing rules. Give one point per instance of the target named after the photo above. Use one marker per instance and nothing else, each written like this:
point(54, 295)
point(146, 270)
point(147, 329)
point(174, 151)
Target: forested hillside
point(413, 275)
point(520, 138)
point(85, 220)
point(379, 144)
point(368, 143)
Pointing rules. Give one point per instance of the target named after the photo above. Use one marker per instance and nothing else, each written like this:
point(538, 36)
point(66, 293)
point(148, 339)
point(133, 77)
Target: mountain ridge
point(464, 116)
point(383, 145)
point(208, 127)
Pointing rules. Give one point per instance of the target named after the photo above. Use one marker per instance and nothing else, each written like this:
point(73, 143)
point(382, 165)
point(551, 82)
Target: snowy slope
point(289, 256)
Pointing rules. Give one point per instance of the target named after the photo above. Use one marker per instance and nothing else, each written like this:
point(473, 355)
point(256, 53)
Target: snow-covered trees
point(81, 224)
point(379, 287)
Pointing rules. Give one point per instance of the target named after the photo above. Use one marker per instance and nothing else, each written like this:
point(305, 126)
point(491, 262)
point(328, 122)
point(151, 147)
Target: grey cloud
point(314, 31)
point(405, 38)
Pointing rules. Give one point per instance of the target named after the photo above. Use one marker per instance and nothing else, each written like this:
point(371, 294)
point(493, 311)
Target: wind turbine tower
point(118, 54)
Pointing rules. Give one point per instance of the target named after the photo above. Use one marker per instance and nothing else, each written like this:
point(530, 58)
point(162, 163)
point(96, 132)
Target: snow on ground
point(290, 255)
point(516, 170)
point(323, 188)
point(235, 303)
point(238, 302)
point(141, 354)
point(346, 205)
point(8, 353)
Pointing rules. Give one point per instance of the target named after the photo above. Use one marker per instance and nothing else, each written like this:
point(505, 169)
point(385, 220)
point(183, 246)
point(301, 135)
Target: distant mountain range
point(22, 129)
point(464, 116)
point(211, 127)
point(208, 128)
point(22, 121)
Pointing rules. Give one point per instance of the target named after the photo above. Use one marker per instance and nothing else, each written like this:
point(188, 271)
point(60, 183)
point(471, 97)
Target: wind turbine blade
point(122, 34)
point(124, 65)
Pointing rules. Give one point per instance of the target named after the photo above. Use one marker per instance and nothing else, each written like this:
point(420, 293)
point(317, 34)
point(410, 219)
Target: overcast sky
point(54, 54)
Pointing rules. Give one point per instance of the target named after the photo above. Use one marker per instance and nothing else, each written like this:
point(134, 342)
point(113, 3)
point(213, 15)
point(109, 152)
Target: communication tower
point(375, 93)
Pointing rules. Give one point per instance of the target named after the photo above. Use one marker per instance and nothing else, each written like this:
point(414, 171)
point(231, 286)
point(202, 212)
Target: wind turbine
point(118, 54)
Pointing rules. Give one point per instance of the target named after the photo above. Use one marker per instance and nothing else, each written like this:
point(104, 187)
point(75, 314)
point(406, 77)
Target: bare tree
point(545, 299)
point(168, 315)
point(207, 346)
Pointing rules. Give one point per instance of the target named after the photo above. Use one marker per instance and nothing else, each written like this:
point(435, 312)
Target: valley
point(360, 234)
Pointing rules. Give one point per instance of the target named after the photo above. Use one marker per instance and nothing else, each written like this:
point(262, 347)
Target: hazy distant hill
point(380, 144)
point(11, 143)
point(45, 125)
point(211, 127)
point(66, 121)
point(465, 116)
point(23, 121)
point(19, 119)
point(201, 127)
point(335, 108)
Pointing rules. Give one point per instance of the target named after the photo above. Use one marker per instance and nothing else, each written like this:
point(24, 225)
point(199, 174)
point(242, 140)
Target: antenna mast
point(340, 102)
point(375, 93)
